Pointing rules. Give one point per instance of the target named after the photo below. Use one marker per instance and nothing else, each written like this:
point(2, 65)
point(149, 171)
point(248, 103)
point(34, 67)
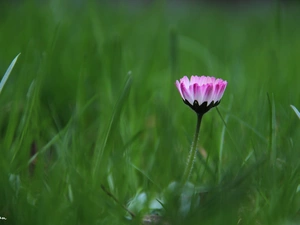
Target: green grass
point(91, 110)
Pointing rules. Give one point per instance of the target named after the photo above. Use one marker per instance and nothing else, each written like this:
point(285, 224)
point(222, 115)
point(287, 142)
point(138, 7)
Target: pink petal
point(195, 91)
point(199, 90)
point(186, 94)
point(179, 88)
point(215, 96)
point(222, 89)
point(208, 93)
point(194, 80)
point(185, 80)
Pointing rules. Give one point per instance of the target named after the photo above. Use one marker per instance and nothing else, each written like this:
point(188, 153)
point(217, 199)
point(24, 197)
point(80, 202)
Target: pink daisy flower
point(201, 93)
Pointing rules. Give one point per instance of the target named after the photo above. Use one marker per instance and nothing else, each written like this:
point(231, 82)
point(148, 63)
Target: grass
point(90, 113)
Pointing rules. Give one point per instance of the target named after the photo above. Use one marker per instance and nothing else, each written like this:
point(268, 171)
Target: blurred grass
point(92, 101)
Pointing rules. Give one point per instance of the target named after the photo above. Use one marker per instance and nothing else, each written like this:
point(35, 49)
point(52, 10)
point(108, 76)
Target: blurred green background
point(91, 110)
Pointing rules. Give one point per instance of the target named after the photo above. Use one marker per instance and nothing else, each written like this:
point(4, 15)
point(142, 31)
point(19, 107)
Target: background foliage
point(92, 102)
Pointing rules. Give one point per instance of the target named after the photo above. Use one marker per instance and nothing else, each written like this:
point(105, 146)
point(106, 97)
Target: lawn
point(94, 131)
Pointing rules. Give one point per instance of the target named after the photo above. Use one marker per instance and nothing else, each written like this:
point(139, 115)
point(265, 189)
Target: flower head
point(201, 93)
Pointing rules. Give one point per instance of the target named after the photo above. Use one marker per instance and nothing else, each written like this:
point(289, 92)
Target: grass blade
point(115, 114)
point(222, 142)
point(273, 133)
point(7, 73)
point(296, 111)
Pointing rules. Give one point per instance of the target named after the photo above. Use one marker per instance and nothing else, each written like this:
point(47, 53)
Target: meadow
point(94, 131)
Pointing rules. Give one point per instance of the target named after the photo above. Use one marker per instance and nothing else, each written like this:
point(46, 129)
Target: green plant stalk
point(192, 155)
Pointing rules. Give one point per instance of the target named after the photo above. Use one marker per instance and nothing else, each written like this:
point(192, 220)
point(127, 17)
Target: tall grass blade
point(296, 111)
point(222, 142)
point(7, 73)
point(272, 142)
point(116, 113)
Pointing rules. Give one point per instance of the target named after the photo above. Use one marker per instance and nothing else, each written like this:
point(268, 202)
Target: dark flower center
point(203, 108)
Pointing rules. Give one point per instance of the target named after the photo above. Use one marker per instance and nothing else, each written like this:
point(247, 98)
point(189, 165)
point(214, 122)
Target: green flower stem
point(192, 155)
